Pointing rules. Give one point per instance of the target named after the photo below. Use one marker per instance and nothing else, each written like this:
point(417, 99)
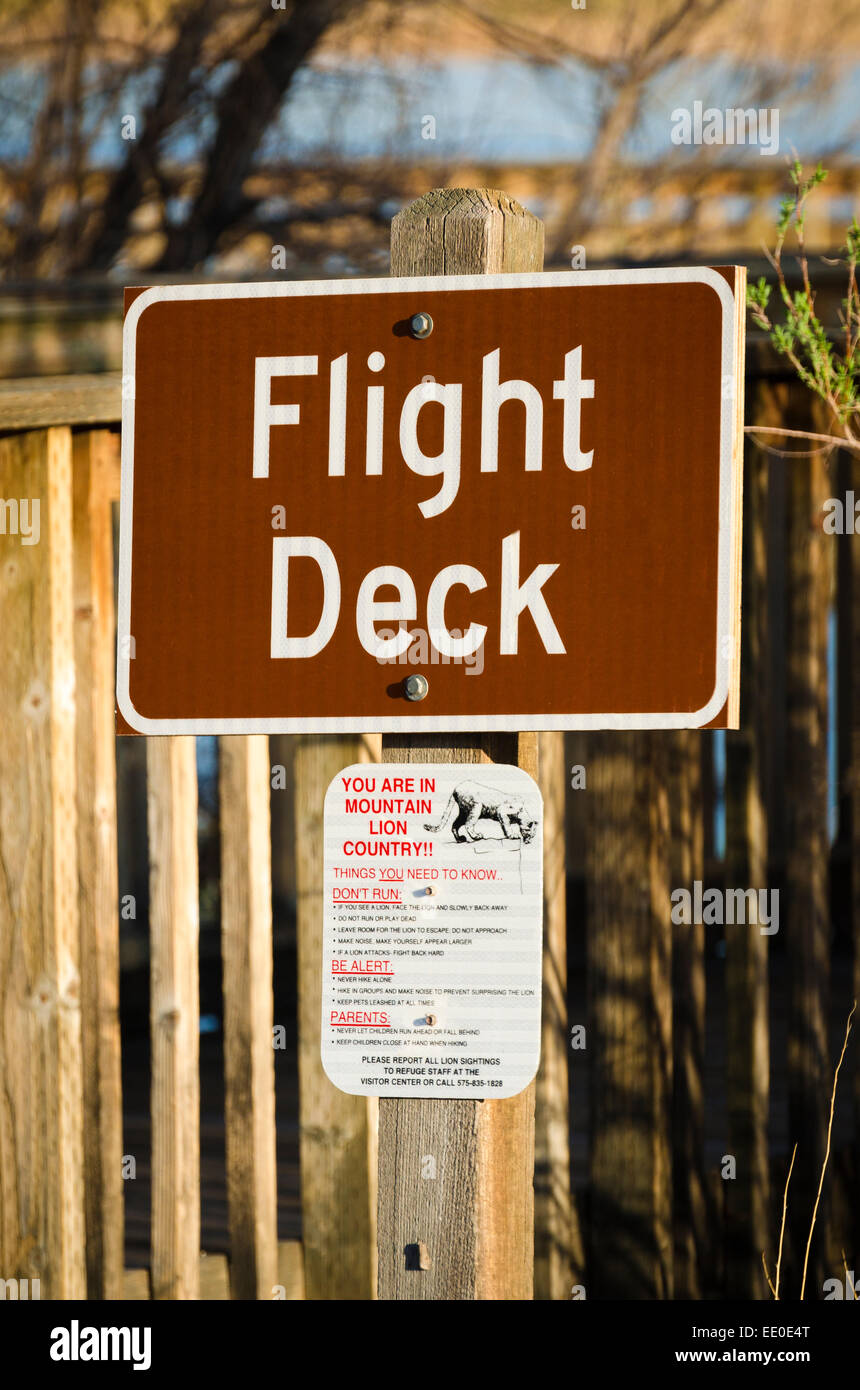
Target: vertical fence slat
point(558, 1241)
point(335, 1130)
point(95, 462)
point(174, 1016)
point(630, 1017)
point(747, 1207)
point(688, 1024)
point(249, 1063)
point(809, 554)
point(41, 1120)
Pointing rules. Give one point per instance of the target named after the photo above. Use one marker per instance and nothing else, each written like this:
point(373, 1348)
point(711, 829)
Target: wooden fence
point(61, 1122)
point(657, 1216)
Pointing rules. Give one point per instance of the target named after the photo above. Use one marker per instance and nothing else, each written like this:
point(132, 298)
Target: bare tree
point(638, 52)
point(273, 51)
point(86, 57)
point(220, 71)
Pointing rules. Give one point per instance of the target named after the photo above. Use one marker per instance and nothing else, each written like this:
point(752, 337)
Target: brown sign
point(534, 507)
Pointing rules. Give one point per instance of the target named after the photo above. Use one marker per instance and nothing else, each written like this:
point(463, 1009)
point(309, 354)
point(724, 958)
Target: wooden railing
point(61, 1156)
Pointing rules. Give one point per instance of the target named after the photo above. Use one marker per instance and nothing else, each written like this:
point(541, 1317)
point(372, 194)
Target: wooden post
point(630, 1017)
point(559, 1258)
point(249, 1059)
point(747, 1199)
point(476, 1219)
point(175, 1016)
point(96, 483)
point(41, 1118)
point(337, 1132)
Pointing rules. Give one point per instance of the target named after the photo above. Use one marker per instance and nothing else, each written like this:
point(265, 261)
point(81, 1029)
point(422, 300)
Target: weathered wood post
point(249, 1060)
point(95, 485)
point(174, 1016)
point(477, 1219)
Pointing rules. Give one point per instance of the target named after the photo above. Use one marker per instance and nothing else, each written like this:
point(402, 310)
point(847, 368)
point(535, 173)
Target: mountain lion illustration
point(471, 803)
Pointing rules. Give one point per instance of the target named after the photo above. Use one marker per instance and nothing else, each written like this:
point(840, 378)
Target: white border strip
point(432, 723)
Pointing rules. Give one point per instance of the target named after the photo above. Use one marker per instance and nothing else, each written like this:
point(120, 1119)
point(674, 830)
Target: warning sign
point(432, 930)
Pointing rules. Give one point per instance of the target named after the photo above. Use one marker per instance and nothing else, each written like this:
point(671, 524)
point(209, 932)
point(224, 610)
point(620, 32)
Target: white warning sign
point(433, 910)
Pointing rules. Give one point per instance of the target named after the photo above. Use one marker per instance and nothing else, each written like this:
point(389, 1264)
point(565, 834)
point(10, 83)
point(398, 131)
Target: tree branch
point(170, 103)
point(834, 439)
point(244, 112)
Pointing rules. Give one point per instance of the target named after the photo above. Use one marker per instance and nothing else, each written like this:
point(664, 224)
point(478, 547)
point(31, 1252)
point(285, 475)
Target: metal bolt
point(421, 325)
point(431, 1020)
point(416, 687)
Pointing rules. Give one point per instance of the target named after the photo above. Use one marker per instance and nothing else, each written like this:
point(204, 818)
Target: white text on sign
point(516, 597)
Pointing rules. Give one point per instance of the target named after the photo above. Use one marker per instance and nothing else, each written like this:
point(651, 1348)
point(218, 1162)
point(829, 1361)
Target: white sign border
point(463, 723)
